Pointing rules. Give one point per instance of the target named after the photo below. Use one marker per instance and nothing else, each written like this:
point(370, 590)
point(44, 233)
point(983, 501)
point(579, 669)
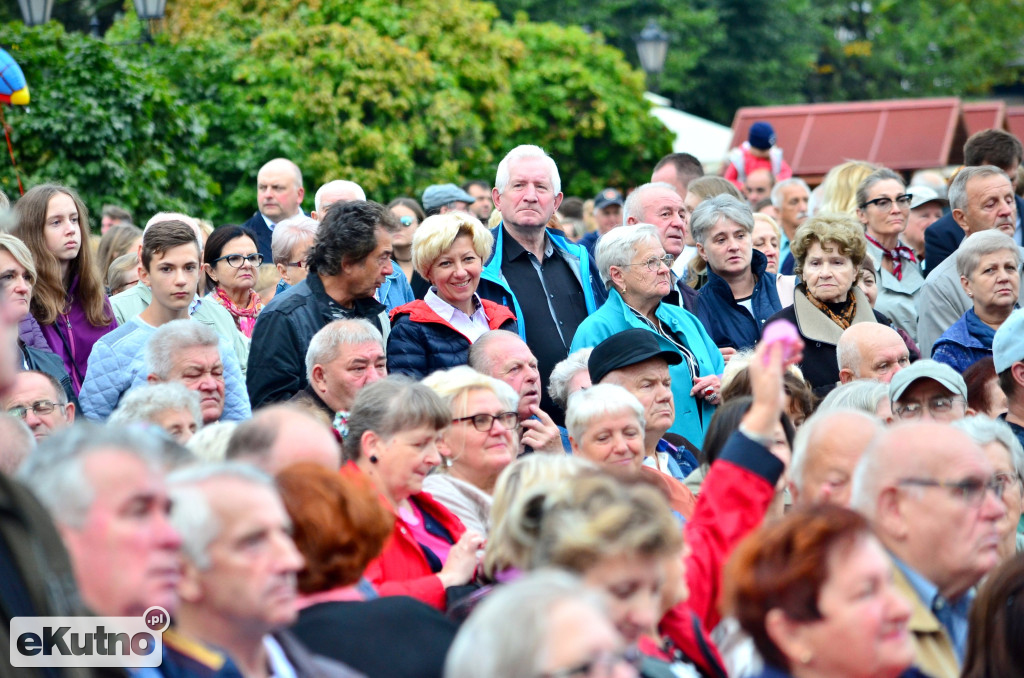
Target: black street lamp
point(35, 12)
point(652, 47)
point(149, 11)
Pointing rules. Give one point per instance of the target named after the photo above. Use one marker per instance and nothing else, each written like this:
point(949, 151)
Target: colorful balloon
point(13, 88)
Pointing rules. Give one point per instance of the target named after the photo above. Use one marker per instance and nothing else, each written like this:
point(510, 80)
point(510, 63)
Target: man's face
point(277, 193)
point(529, 199)
point(35, 393)
point(882, 356)
point(990, 204)
point(364, 278)
point(793, 211)
point(251, 579)
point(833, 452)
point(200, 369)
point(357, 365)
point(920, 219)
point(174, 276)
point(482, 206)
point(125, 554)
point(650, 382)
point(669, 175)
point(514, 363)
point(665, 211)
point(608, 217)
point(758, 186)
point(928, 400)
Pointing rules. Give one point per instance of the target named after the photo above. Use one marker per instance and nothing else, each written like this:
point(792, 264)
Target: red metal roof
point(1015, 120)
point(979, 115)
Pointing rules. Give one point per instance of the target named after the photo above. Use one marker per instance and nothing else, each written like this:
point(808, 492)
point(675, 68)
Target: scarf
point(979, 330)
point(841, 313)
point(244, 317)
point(901, 251)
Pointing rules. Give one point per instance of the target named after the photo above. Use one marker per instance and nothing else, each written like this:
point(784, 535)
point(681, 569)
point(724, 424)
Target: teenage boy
point(170, 261)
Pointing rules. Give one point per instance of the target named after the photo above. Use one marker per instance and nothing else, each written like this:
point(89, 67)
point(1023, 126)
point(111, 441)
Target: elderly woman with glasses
point(289, 246)
point(232, 265)
point(740, 294)
point(435, 333)
point(636, 271)
point(883, 207)
point(478, 445)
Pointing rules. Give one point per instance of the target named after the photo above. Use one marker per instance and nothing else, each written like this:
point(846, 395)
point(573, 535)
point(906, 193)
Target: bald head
point(825, 454)
point(505, 356)
point(339, 190)
point(279, 189)
point(870, 351)
point(281, 435)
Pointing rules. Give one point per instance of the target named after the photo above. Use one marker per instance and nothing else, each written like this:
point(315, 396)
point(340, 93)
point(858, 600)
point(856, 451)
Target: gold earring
point(806, 656)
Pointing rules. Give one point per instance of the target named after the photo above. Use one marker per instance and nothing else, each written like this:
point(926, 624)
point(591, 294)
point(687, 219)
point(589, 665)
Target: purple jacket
point(72, 337)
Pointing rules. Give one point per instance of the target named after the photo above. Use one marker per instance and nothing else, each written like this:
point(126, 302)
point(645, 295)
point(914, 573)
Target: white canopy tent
point(706, 140)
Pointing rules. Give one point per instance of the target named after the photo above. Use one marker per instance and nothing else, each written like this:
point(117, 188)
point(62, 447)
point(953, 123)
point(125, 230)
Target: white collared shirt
point(280, 667)
point(470, 325)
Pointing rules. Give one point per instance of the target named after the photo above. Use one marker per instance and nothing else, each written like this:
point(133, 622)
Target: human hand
point(463, 558)
point(541, 434)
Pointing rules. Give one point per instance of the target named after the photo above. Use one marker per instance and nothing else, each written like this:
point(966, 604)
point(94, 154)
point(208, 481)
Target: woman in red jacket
point(393, 430)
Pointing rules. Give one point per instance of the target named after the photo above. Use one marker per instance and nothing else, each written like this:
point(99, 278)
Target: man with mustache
point(790, 198)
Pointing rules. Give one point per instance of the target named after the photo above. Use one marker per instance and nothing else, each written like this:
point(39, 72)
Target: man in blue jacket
point(547, 281)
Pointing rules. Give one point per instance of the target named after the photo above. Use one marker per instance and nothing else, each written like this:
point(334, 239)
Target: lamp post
point(149, 11)
point(35, 12)
point(652, 47)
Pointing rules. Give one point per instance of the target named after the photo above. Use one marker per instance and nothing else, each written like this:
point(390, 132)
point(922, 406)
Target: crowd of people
point(706, 426)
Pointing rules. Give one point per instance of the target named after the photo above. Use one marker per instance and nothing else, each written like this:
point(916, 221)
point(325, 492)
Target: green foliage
point(102, 124)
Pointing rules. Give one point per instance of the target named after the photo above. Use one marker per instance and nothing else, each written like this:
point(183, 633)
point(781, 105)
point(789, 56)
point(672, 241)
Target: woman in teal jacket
point(635, 269)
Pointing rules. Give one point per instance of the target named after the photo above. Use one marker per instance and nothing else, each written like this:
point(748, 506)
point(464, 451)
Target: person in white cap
point(928, 390)
point(926, 207)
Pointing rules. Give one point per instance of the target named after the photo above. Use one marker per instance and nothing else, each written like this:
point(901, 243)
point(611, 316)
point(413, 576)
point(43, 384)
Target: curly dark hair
point(348, 234)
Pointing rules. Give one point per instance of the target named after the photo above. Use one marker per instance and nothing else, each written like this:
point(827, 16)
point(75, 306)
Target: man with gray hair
point(189, 353)
point(169, 406)
point(870, 351)
point(934, 502)
point(550, 283)
point(339, 190)
point(38, 399)
point(342, 358)
point(444, 198)
point(981, 199)
point(790, 198)
point(658, 204)
point(826, 450)
point(279, 192)
point(238, 589)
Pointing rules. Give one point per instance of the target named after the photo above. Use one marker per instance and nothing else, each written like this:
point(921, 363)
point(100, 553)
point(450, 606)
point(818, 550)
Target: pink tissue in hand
point(781, 332)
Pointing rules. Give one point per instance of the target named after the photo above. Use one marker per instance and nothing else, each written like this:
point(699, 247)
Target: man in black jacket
point(279, 193)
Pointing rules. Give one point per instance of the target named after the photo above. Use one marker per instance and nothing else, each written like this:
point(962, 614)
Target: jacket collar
point(816, 326)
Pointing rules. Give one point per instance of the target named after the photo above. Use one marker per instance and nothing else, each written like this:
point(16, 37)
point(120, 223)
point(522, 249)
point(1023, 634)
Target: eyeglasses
point(407, 221)
point(236, 260)
point(939, 405)
point(1010, 479)
point(294, 264)
point(38, 407)
point(483, 422)
point(600, 666)
point(654, 263)
point(885, 203)
point(971, 490)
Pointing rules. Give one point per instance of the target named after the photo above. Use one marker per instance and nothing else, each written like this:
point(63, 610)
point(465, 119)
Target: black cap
point(626, 348)
point(608, 196)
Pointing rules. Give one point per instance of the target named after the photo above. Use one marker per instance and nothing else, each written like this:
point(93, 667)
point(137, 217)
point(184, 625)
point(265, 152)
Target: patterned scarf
point(901, 251)
point(841, 314)
point(245, 317)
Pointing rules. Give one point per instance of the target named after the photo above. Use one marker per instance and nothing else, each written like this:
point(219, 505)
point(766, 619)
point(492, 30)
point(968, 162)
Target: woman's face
point(403, 238)
point(868, 285)
point(642, 283)
point(884, 223)
point(17, 284)
point(235, 280)
point(480, 455)
point(178, 424)
point(995, 283)
point(863, 630)
point(613, 440)
point(404, 460)
point(827, 273)
point(727, 249)
point(62, 233)
point(633, 583)
point(1013, 500)
point(766, 241)
point(456, 273)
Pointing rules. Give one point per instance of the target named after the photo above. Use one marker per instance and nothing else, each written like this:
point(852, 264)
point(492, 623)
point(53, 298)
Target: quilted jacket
point(118, 362)
point(730, 324)
point(422, 342)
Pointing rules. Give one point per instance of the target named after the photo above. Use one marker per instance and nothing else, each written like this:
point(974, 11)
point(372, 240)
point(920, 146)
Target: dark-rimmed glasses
point(885, 203)
point(483, 422)
point(237, 260)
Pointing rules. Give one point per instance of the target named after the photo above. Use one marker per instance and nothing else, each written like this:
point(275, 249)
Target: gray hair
point(484, 648)
point(390, 406)
point(600, 401)
point(191, 513)
point(617, 246)
point(711, 211)
point(983, 431)
point(453, 383)
point(479, 357)
point(958, 187)
point(519, 153)
point(170, 338)
point(880, 174)
point(210, 443)
point(977, 245)
point(864, 395)
point(338, 184)
point(776, 194)
point(326, 344)
point(289, 233)
point(55, 471)
point(18, 443)
point(564, 372)
point(802, 449)
point(634, 205)
point(145, 402)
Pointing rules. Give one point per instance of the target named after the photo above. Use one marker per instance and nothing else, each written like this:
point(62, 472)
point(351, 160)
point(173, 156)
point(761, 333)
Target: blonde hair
point(17, 249)
point(438, 233)
point(839, 189)
point(765, 219)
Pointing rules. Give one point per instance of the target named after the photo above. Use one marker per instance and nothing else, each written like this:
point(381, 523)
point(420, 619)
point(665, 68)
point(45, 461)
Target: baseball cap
point(1008, 345)
point(608, 196)
point(626, 348)
point(927, 369)
point(440, 195)
point(922, 195)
